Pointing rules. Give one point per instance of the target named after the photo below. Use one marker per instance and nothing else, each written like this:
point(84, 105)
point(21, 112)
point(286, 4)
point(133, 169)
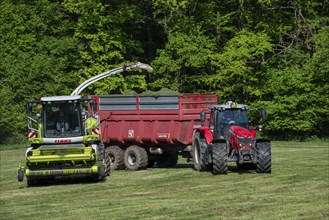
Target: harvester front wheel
point(199, 148)
point(219, 157)
point(116, 156)
point(20, 175)
point(264, 163)
point(135, 158)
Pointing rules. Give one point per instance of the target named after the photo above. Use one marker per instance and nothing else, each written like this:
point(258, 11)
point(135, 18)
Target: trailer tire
point(135, 158)
point(116, 158)
point(199, 148)
point(264, 163)
point(219, 157)
point(168, 160)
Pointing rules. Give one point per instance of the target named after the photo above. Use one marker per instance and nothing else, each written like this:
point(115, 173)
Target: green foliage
point(270, 54)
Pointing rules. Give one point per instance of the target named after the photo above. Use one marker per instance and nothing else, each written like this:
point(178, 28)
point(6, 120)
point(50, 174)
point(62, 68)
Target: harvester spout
point(82, 86)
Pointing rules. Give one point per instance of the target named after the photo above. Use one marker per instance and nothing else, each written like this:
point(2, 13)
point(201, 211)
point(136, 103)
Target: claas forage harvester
point(65, 136)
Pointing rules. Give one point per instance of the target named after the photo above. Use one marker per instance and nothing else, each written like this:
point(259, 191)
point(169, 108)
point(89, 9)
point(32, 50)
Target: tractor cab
point(222, 117)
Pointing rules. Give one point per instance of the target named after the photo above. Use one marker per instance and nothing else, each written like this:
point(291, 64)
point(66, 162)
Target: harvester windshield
point(62, 119)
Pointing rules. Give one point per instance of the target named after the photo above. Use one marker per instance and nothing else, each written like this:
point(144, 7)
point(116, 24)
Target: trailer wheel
point(135, 158)
point(168, 160)
point(199, 148)
point(116, 157)
point(263, 157)
point(219, 157)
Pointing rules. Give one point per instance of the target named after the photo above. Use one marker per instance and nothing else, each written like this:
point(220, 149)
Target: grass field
point(298, 188)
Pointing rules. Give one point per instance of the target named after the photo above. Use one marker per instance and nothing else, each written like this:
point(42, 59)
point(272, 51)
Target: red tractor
point(228, 137)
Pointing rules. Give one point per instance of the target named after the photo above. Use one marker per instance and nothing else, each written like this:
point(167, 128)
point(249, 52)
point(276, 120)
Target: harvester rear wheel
point(199, 148)
point(219, 157)
point(264, 163)
point(135, 158)
point(116, 158)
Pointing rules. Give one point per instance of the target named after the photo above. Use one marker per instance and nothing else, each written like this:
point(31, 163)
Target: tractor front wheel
point(219, 158)
point(264, 163)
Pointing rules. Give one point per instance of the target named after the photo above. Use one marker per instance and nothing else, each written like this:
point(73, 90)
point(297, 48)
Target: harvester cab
point(229, 138)
point(64, 140)
point(65, 136)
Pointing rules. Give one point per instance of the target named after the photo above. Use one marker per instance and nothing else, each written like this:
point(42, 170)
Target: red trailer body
point(158, 124)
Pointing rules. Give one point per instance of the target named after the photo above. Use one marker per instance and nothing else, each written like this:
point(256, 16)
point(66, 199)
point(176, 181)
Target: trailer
point(141, 131)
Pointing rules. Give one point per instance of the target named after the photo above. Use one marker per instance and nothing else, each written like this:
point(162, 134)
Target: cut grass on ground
point(298, 188)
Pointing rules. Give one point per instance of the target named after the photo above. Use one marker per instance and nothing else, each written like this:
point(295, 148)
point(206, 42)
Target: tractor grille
point(244, 141)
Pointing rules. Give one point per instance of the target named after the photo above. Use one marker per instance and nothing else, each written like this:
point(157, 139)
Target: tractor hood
point(240, 131)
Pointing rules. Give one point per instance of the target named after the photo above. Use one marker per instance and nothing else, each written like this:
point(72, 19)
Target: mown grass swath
point(298, 188)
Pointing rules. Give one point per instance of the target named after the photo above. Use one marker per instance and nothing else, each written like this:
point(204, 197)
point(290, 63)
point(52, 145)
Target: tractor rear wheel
point(264, 163)
point(116, 157)
point(135, 158)
point(219, 157)
point(199, 148)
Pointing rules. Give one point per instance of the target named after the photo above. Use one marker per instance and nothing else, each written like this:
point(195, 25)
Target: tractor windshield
point(62, 119)
point(230, 117)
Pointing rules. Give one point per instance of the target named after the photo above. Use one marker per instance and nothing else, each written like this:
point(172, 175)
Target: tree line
point(270, 54)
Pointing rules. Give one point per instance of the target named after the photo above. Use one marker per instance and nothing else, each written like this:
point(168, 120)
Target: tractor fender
point(206, 133)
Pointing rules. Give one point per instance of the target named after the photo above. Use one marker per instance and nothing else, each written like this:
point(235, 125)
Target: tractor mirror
point(202, 116)
point(264, 114)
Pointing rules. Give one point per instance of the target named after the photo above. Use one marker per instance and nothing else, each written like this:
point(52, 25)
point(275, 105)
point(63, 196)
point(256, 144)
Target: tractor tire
point(219, 158)
point(168, 160)
point(199, 148)
point(264, 163)
point(135, 158)
point(116, 156)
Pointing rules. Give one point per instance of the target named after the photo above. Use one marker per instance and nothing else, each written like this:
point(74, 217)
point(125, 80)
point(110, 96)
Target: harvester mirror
point(264, 114)
point(93, 106)
point(202, 116)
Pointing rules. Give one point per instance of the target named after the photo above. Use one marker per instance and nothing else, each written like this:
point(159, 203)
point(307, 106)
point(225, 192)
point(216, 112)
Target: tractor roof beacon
point(64, 135)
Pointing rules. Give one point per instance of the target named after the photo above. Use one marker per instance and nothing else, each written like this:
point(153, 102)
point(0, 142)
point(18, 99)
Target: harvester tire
point(168, 160)
point(264, 163)
point(100, 151)
point(116, 158)
point(20, 175)
point(135, 158)
point(199, 148)
point(219, 157)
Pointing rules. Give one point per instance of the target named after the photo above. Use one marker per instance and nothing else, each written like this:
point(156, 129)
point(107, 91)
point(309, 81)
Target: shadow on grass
point(42, 182)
